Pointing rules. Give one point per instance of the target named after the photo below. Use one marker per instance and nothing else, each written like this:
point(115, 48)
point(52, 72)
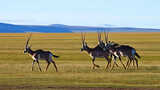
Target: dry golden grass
point(75, 66)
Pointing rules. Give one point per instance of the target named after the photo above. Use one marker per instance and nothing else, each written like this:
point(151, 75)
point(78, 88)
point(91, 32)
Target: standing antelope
point(122, 50)
point(96, 52)
point(40, 55)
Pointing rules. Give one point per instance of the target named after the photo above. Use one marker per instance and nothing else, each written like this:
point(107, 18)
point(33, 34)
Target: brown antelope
point(96, 52)
point(40, 55)
point(122, 50)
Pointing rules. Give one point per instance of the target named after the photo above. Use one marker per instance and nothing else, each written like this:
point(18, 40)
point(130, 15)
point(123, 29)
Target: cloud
point(109, 25)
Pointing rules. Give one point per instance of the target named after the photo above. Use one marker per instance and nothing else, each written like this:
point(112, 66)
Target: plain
point(75, 66)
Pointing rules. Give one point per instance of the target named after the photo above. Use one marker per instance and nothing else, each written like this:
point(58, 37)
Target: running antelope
point(96, 52)
point(40, 55)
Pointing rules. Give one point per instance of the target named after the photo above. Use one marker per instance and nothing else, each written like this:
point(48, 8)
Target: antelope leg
point(47, 66)
point(33, 64)
point(55, 65)
point(113, 66)
point(94, 65)
point(130, 63)
point(39, 66)
point(127, 63)
point(107, 65)
point(122, 63)
point(109, 61)
point(136, 63)
point(114, 63)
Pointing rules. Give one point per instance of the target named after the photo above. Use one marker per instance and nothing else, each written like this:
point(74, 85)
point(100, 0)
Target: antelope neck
point(89, 50)
point(31, 52)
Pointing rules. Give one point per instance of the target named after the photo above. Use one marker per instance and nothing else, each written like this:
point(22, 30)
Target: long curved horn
point(106, 36)
point(99, 36)
point(83, 37)
point(28, 40)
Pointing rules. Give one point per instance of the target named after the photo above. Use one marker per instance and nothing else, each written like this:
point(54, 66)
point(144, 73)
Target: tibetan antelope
point(111, 53)
point(96, 52)
point(40, 55)
point(122, 50)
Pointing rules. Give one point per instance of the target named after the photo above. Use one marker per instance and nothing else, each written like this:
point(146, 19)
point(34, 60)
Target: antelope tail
point(136, 54)
point(55, 56)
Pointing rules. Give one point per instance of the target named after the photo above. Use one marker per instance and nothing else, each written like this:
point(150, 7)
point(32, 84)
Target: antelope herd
point(108, 50)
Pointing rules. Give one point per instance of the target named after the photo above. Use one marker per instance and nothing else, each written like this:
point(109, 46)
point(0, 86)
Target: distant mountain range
point(60, 28)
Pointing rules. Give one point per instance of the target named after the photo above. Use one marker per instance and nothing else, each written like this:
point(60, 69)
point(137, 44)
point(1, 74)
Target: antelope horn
point(98, 36)
point(106, 36)
point(28, 40)
point(83, 37)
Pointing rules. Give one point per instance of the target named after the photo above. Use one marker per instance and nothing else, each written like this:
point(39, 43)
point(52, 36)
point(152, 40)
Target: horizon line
point(100, 26)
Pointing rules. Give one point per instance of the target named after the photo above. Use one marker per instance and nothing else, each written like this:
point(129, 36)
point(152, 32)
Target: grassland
point(75, 66)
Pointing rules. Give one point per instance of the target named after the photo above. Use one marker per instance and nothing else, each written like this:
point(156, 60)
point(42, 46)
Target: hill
point(60, 28)
point(10, 28)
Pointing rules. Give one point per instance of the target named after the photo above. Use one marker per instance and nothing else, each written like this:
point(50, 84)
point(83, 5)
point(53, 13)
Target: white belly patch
point(116, 54)
point(121, 54)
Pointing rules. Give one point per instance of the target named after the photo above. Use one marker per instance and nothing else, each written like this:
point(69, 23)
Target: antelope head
point(27, 47)
point(84, 44)
point(109, 44)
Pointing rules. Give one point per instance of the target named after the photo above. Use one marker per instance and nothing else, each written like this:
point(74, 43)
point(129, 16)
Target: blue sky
point(128, 13)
